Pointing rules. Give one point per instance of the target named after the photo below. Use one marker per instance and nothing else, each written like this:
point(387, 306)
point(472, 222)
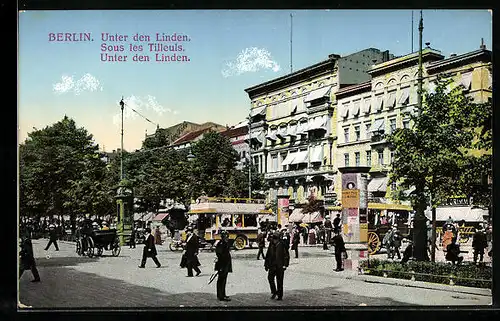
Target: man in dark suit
point(133, 233)
point(261, 241)
point(192, 249)
point(338, 243)
point(479, 243)
point(336, 223)
point(223, 265)
point(53, 236)
point(149, 249)
point(277, 260)
point(296, 241)
point(27, 258)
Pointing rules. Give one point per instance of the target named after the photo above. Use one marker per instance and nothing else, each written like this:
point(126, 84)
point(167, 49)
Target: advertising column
point(354, 215)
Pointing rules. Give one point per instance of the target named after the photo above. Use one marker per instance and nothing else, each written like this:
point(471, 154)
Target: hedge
point(464, 274)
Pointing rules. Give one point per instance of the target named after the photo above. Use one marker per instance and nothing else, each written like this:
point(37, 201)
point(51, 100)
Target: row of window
point(369, 162)
point(379, 125)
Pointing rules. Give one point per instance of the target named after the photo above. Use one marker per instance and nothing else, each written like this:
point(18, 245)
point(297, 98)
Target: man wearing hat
point(338, 243)
point(52, 237)
point(277, 260)
point(149, 249)
point(223, 265)
point(192, 249)
point(479, 243)
point(27, 257)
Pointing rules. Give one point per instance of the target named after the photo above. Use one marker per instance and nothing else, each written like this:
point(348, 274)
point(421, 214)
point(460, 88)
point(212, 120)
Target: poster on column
point(350, 198)
point(349, 181)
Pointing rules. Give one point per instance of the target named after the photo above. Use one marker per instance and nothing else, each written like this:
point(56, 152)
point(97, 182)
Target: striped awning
point(258, 111)
point(314, 217)
point(318, 93)
point(296, 215)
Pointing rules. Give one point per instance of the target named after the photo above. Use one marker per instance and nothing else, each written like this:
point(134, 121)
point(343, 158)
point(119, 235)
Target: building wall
point(383, 86)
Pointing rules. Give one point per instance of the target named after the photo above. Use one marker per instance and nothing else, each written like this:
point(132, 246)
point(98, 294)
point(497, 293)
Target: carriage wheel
point(100, 250)
point(373, 243)
point(78, 247)
point(116, 250)
point(90, 247)
point(239, 242)
point(172, 247)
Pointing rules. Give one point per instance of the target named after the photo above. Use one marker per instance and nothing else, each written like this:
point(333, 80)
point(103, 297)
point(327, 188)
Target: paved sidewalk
point(72, 281)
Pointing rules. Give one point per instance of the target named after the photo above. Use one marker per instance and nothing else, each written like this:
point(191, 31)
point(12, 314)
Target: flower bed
point(464, 274)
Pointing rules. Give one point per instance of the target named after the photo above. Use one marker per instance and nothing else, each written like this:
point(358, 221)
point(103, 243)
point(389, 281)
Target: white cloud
point(250, 60)
point(86, 83)
point(141, 105)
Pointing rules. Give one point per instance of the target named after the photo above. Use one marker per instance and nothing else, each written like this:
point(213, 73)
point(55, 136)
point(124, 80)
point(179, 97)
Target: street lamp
point(122, 105)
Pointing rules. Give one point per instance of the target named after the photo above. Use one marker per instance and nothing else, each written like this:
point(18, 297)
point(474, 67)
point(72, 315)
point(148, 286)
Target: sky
point(224, 52)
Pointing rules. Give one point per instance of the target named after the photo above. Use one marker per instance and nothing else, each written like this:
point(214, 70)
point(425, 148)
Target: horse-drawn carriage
point(97, 241)
point(381, 218)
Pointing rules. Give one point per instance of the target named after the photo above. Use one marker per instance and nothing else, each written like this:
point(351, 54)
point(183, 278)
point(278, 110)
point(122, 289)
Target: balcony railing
point(300, 172)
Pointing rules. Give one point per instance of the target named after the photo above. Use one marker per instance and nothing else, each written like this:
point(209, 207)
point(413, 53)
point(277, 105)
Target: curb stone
point(425, 285)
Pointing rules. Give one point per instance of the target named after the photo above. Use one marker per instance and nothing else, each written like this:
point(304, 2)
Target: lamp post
point(249, 156)
point(122, 105)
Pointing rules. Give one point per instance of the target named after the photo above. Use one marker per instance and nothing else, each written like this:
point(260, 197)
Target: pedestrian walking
point(223, 265)
point(261, 242)
point(396, 243)
point(52, 237)
point(336, 223)
point(328, 229)
point(276, 262)
point(305, 234)
point(295, 242)
point(191, 253)
point(133, 234)
point(479, 244)
point(157, 236)
point(387, 242)
point(149, 249)
point(27, 258)
point(340, 251)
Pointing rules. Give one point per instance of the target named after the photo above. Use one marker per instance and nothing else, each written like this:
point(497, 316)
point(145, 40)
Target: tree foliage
point(61, 172)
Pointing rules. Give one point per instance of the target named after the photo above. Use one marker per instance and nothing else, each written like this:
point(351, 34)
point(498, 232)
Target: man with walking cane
point(223, 265)
point(191, 254)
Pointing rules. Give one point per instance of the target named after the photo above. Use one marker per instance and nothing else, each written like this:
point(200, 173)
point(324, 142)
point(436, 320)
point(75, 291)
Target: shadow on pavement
point(68, 288)
point(55, 261)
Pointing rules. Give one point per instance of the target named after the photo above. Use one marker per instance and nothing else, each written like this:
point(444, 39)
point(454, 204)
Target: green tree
point(213, 166)
point(432, 157)
point(59, 167)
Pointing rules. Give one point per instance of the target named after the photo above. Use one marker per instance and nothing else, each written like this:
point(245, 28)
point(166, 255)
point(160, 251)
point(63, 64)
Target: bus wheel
point(239, 242)
point(373, 243)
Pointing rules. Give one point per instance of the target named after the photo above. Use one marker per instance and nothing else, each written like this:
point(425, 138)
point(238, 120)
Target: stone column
point(354, 214)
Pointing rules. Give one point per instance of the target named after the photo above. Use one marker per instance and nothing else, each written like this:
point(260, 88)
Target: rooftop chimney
point(453, 55)
point(428, 45)
point(483, 46)
point(333, 56)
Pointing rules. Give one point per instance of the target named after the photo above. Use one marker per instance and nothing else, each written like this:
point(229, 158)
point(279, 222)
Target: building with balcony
point(369, 110)
point(293, 131)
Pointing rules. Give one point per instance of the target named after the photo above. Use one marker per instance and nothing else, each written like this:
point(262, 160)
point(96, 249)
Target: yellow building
point(381, 105)
point(293, 124)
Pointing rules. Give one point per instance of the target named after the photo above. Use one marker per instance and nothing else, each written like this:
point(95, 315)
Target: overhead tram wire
point(148, 120)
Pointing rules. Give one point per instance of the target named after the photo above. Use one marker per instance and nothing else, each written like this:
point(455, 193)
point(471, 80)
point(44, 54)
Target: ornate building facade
point(293, 130)
point(369, 110)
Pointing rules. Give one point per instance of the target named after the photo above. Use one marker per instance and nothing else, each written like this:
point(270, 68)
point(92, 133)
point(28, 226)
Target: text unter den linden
point(162, 47)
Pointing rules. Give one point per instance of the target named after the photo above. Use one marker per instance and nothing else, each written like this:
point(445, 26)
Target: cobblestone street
point(72, 281)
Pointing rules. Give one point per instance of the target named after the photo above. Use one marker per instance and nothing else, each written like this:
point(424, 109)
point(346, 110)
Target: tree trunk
point(420, 227)
point(420, 237)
